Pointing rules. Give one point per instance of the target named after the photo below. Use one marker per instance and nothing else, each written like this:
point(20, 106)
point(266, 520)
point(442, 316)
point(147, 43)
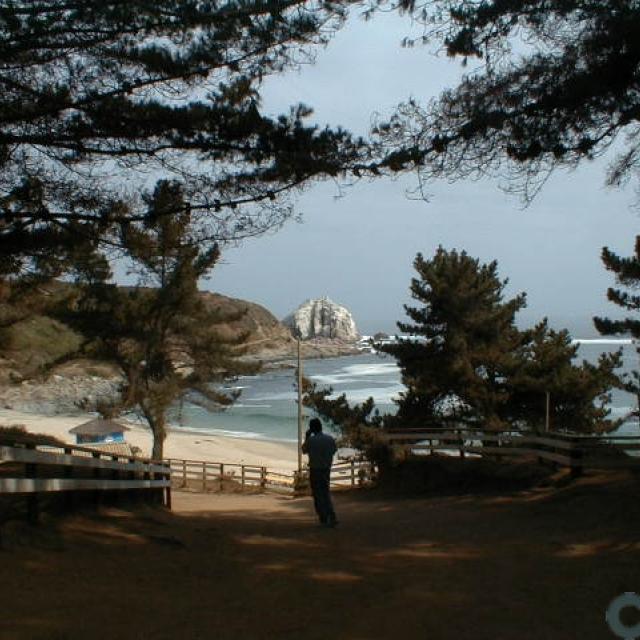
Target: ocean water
point(267, 408)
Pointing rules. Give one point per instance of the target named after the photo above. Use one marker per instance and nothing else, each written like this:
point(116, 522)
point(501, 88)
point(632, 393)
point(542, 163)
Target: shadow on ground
point(532, 565)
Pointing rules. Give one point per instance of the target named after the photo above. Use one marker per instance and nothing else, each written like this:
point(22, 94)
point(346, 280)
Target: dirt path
point(536, 566)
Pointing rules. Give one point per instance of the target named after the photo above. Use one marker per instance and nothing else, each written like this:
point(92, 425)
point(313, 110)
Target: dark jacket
point(320, 448)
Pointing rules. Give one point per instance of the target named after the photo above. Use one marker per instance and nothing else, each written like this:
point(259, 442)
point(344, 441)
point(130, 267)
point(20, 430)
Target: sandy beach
point(277, 456)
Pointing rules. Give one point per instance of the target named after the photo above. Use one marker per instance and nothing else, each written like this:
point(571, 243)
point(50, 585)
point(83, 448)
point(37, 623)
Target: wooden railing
point(34, 469)
point(352, 473)
point(199, 475)
point(575, 451)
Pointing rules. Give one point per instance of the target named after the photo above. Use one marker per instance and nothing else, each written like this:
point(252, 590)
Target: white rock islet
point(322, 318)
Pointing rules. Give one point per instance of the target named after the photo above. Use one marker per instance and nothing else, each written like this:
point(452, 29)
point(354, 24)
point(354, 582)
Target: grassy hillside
point(30, 345)
point(33, 343)
point(265, 331)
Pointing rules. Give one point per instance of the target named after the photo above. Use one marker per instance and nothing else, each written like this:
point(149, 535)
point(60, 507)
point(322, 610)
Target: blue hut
point(99, 431)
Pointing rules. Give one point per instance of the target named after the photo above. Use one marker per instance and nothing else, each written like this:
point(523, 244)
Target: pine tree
point(164, 338)
point(578, 393)
point(567, 95)
point(359, 424)
point(96, 96)
point(466, 362)
point(464, 336)
point(627, 274)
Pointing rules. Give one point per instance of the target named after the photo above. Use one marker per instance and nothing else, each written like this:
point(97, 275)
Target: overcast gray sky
point(358, 249)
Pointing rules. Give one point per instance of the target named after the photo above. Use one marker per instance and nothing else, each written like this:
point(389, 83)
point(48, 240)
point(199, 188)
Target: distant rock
point(322, 318)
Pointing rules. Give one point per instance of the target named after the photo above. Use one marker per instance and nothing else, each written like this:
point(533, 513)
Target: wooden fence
point(34, 470)
point(352, 473)
point(575, 451)
point(199, 475)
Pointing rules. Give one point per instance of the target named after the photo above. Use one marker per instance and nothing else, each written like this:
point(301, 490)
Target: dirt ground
point(540, 565)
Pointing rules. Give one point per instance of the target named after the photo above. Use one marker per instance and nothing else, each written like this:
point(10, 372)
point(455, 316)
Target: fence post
point(114, 496)
point(353, 472)
point(204, 477)
point(33, 510)
point(263, 477)
point(221, 476)
point(184, 473)
point(167, 490)
point(242, 477)
point(96, 474)
point(68, 473)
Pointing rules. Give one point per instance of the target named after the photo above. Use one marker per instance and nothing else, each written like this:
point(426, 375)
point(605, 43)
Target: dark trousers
point(321, 497)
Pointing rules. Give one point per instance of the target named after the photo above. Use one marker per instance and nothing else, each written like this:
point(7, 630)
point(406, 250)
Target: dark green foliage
point(473, 365)
point(96, 96)
point(627, 274)
point(467, 364)
point(456, 367)
point(578, 393)
point(359, 424)
point(559, 84)
point(162, 336)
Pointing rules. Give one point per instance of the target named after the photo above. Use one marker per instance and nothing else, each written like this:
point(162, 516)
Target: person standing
point(320, 447)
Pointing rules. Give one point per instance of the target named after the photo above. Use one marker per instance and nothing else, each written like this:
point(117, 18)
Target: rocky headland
point(272, 342)
point(77, 385)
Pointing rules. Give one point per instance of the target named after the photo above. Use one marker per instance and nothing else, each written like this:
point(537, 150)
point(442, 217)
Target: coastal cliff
point(77, 384)
point(270, 341)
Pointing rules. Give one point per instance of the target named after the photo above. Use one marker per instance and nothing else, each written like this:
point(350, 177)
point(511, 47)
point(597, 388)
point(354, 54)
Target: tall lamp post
point(299, 405)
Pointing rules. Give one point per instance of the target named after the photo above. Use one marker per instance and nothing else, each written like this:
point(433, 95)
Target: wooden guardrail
point(34, 469)
point(576, 451)
point(202, 475)
point(352, 473)
point(199, 475)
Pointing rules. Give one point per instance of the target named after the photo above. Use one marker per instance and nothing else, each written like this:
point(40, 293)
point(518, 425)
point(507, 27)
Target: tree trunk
point(159, 435)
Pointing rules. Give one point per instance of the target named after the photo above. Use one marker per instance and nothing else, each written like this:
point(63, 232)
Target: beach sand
point(276, 456)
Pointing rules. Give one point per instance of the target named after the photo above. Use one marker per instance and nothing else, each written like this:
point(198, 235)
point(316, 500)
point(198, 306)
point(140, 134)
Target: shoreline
point(218, 433)
point(183, 445)
point(31, 405)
